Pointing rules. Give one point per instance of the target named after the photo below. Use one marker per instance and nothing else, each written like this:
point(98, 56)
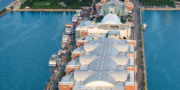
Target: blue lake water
point(27, 41)
point(4, 3)
point(162, 46)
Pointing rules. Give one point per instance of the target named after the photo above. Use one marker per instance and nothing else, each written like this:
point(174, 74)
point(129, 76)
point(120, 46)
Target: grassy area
point(47, 7)
point(41, 3)
point(2, 11)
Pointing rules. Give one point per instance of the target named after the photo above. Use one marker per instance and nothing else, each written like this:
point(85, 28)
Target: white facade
point(110, 22)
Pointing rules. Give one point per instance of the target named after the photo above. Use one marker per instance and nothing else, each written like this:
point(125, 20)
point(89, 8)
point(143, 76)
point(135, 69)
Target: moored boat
point(60, 52)
point(69, 29)
point(65, 41)
point(53, 60)
point(144, 26)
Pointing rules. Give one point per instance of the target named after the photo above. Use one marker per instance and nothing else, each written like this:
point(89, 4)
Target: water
point(27, 41)
point(162, 46)
point(4, 3)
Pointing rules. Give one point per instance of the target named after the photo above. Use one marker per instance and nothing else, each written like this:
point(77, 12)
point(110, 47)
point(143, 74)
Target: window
point(114, 27)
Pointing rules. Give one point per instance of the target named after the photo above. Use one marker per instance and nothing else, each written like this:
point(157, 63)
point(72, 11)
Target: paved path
point(138, 47)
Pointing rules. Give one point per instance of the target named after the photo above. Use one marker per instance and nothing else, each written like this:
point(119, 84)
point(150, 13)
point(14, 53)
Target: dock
point(68, 44)
point(52, 85)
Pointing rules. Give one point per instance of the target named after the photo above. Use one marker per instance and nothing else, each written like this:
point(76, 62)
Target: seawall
point(71, 10)
point(160, 9)
point(143, 54)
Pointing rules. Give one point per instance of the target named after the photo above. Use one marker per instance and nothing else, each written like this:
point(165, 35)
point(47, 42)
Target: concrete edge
point(144, 64)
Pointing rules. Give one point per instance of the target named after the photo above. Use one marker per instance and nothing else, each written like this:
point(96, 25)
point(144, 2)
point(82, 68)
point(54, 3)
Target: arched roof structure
point(111, 19)
point(86, 59)
point(81, 75)
point(119, 75)
point(120, 60)
point(104, 78)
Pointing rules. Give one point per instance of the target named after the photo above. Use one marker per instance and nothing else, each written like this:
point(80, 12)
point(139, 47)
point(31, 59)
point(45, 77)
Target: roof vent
point(100, 74)
point(99, 77)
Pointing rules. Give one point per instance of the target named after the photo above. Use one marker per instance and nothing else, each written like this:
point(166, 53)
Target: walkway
point(139, 76)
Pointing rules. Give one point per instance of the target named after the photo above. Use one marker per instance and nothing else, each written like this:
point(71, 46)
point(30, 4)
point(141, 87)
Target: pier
point(59, 69)
point(138, 35)
point(53, 85)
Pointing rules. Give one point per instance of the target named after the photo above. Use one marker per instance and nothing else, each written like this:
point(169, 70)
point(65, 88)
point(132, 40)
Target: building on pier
point(105, 57)
point(115, 7)
point(110, 22)
point(107, 63)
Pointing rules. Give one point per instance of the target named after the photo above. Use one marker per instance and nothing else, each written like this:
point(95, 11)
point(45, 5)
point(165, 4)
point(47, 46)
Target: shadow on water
point(22, 13)
point(47, 12)
point(61, 12)
point(57, 13)
point(72, 12)
point(12, 12)
point(67, 12)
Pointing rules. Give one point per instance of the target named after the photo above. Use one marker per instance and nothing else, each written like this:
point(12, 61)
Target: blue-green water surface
point(4, 3)
point(27, 41)
point(162, 49)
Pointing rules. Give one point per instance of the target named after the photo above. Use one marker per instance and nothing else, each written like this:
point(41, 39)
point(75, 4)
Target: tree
point(99, 18)
point(62, 74)
point(68, 59)
point(54, 2)
point(123, 20)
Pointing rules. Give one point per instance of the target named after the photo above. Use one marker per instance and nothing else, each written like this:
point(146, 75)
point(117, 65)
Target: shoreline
point(3, 13)
point(143, 51)
point(160, 9)
point(71, 10)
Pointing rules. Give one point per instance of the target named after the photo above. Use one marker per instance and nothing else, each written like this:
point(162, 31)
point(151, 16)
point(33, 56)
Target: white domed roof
point(111, 19)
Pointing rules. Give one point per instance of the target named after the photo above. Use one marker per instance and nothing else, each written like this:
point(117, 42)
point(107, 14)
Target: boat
point(65, 41)
point(80, 18)
point(60, 52)
point(69, 29)
point(144, 26)
point(74, 19)
point(53, 60)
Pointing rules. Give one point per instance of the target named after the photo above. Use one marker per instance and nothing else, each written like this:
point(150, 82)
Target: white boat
point(144, 26)
point(69, 29)
point(60, 52)
point(65, 41)
point(53, 60)
point(74, 19)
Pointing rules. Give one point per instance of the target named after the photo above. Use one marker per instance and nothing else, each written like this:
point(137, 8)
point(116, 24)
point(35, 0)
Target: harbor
point(73, 52)
point(67, 46)
point(159, 42)
point(30, 47)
